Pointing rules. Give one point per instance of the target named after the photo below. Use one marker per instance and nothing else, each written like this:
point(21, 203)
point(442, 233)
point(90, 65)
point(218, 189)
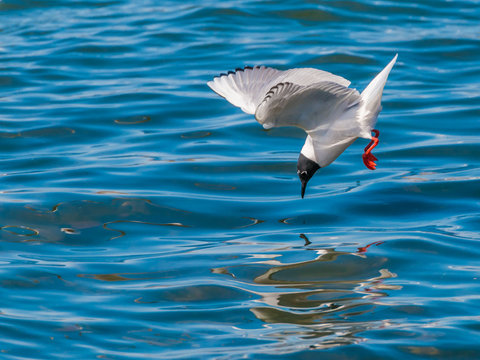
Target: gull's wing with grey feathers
point(246, 88)
point(327, 111)
point(315, 108)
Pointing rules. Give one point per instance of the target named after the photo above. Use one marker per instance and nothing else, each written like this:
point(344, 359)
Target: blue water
point(142, 216)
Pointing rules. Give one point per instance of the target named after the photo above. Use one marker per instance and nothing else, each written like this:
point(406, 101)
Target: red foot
point(368, 158)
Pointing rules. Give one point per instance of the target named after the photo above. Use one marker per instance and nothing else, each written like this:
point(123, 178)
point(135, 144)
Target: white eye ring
point(301, 173)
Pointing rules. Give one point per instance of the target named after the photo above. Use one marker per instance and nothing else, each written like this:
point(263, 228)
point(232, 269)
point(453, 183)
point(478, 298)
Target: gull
point(321, 103)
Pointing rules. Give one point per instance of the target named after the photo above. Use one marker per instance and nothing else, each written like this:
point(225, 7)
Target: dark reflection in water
point(107, 226)
point(133, 120)
point(20, 230)
point(304, 237)
point(328, 297)
point(58, 223)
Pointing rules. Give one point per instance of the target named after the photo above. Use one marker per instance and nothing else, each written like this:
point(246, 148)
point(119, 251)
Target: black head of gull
point(306, 168)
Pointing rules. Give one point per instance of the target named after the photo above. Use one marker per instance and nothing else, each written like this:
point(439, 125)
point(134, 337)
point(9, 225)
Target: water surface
point(142, 216)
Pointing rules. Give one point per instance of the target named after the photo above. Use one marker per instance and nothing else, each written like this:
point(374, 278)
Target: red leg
point(364, 248)
point(368, 158)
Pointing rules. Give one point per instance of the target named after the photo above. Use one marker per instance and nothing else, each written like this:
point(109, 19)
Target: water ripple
point(145, 217)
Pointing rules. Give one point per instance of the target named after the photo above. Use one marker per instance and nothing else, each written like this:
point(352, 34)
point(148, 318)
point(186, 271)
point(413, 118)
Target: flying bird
point(332, 114)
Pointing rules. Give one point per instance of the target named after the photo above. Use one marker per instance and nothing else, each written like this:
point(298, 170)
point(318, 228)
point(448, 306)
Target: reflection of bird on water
point(304, 237)
point(332, 296)
point(321, 103)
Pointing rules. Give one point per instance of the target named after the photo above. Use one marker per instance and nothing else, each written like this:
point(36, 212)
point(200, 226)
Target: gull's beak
point(304, 186)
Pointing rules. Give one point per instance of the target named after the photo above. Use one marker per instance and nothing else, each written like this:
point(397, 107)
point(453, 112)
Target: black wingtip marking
point(237, 70)
point(274, 89)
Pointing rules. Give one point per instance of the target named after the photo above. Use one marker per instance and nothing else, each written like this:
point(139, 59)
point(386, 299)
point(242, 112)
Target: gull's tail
point(371, 100)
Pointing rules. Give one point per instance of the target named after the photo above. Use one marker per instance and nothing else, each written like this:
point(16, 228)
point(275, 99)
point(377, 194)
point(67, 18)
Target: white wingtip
point(372, 98)
point(244, 88)
point(377, 84)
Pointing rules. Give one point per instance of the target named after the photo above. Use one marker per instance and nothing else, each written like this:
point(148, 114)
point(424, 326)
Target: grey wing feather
point(309, 76)
point(308, 107)
point(246, 88)
point(281, 91)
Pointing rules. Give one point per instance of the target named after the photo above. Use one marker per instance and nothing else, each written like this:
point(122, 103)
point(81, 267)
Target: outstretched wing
point(314, 108)
point(246, 88)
